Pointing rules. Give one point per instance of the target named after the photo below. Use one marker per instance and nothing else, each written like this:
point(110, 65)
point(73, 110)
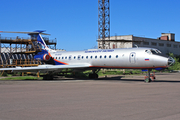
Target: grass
point(85, 74)
point(118, 72)
point(22, 78)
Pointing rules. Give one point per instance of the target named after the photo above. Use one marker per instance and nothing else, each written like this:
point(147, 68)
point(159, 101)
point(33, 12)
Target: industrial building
point(166, 43)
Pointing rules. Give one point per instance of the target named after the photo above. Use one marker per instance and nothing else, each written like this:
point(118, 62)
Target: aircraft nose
point(171, 61)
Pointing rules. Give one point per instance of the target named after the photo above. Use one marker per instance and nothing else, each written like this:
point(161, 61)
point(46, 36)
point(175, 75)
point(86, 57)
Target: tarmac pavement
point(112, 98)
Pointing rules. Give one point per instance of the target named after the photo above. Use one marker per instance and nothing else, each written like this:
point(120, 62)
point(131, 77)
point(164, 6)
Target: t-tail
point(45, 53)
point(40, 41)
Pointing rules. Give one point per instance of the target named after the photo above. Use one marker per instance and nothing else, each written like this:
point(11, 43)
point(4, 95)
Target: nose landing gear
point(149, 76)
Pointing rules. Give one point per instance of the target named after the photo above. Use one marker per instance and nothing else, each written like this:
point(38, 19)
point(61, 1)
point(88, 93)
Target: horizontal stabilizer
point(35, 32)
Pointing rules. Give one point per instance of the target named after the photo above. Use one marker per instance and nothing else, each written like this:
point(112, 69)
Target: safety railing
point(23, 63)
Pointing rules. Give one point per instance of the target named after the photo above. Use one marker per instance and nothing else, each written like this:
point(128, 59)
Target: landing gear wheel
point(90, 76)
point(93, 76)
point(147, 80)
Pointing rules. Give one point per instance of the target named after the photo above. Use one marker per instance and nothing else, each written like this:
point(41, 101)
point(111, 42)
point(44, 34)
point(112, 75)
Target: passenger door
point(132, 57)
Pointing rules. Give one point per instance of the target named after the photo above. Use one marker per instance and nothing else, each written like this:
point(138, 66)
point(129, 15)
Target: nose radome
point(171, 61)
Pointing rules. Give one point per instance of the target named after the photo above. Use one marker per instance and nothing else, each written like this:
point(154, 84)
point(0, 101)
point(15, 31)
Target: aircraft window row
point(82, 57)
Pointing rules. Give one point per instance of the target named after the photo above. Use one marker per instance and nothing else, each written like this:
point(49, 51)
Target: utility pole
point(103, 22)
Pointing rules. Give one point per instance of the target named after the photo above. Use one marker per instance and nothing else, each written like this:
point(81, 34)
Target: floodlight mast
point(103, 22)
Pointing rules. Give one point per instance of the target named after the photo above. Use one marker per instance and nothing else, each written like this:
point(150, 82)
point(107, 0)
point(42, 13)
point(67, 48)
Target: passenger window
point(74, 57)
point(65, 57)
point(100, 56)
point(59, 57)
point(70, 57)
point(105, 56)
point(86, 57)
point(82, 57)
point(116, 56)
point(91, 57)
point(62, 57)
point(109, 56)
point(96, 57)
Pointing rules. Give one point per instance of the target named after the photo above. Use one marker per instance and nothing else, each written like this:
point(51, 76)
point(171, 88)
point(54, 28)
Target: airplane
point(95, 59)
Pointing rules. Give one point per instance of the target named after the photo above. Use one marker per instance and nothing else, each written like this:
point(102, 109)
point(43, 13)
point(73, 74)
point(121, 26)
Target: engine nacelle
point(43, 57)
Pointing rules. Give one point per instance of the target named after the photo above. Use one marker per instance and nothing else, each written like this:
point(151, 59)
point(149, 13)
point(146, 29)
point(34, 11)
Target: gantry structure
point(19, 51)
point(103, 22)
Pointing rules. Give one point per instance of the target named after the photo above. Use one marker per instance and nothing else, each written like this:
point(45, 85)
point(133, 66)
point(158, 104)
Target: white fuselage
point(135, 58)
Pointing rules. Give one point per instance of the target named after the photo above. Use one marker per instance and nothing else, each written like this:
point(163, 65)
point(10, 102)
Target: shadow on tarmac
point(116, 78)
point(167, 81)
point(119, 78)
point(135, 80)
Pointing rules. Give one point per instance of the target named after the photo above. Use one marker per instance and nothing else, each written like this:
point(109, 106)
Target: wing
point(46, 67)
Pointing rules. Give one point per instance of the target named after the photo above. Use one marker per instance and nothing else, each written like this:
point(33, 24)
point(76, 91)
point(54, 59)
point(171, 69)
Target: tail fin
point(36, 35)
point(40, 40)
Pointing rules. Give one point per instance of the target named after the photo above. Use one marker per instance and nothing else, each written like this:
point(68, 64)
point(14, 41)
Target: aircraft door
point(132, 57)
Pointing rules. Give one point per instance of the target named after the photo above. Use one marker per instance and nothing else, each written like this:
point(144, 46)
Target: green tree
point(176, 65)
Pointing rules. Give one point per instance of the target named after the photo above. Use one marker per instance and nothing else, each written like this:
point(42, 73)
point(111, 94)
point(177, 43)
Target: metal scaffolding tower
point(20, 52)
point(103, 21)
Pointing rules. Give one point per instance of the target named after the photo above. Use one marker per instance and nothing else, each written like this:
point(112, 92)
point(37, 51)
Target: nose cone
point(171, 61)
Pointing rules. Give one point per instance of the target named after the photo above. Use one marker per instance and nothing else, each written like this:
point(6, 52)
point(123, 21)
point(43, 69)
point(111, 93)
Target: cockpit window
point(159, 51)
point(155, 51)
point(148, 51)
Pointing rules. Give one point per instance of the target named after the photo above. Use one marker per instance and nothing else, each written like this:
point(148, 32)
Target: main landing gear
point(94, 75)
point(149, 76)
point(48, 76)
